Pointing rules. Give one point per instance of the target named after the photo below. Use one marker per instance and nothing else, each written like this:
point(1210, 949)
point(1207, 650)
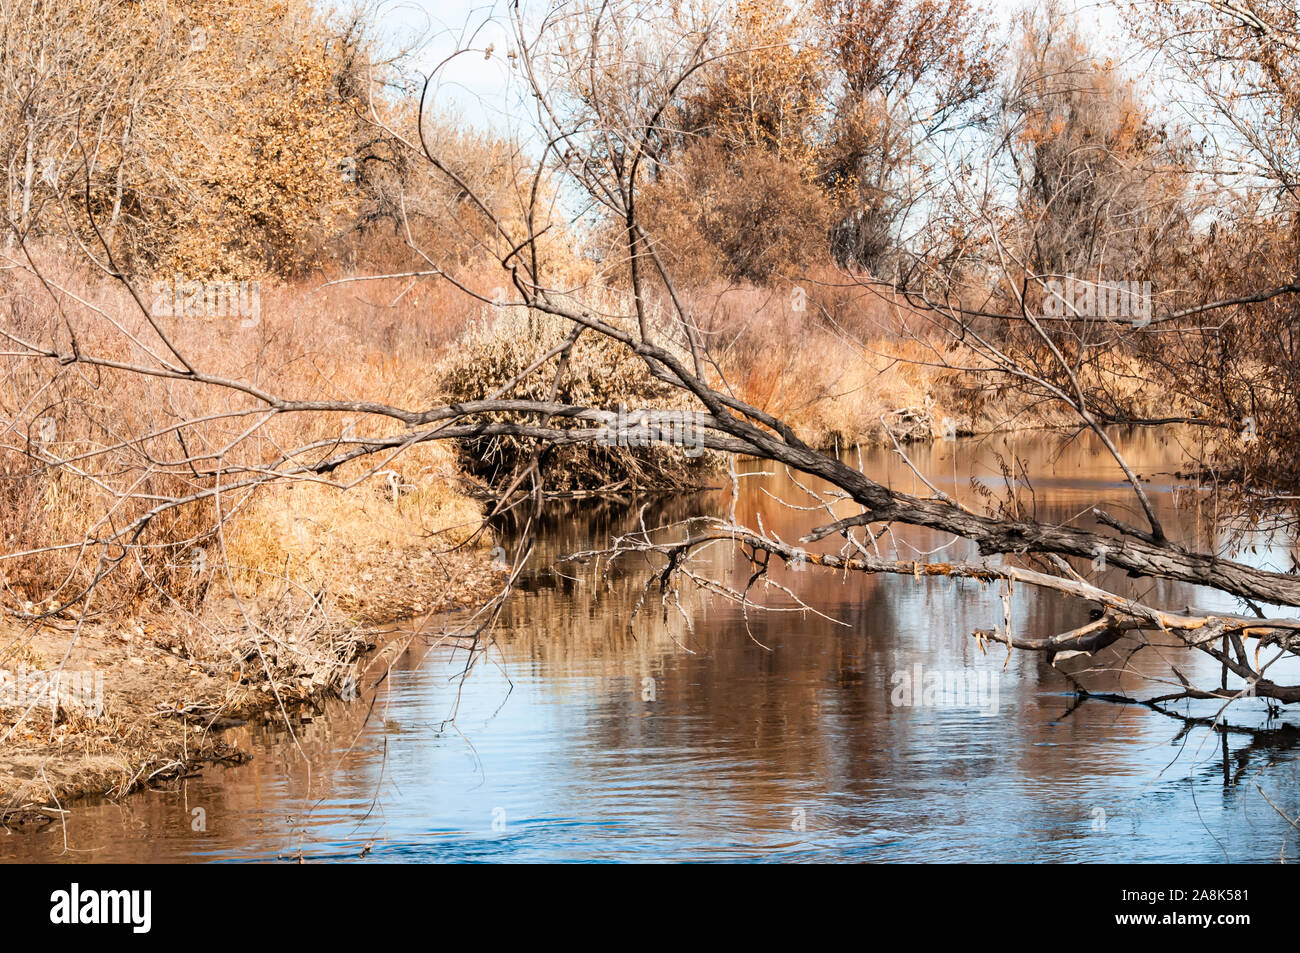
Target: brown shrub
point(749, 212)
point(599, 373)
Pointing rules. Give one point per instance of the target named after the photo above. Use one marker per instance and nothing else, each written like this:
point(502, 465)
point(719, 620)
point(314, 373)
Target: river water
point(588, 734)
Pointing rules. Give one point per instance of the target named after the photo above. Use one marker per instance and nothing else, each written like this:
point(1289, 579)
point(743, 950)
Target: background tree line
point(964, 167)
point(216, 138)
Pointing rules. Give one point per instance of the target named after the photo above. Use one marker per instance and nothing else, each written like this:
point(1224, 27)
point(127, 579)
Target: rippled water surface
point(588, 735)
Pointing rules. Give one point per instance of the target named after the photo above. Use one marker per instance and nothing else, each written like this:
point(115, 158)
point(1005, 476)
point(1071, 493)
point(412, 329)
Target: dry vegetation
point(301, 562)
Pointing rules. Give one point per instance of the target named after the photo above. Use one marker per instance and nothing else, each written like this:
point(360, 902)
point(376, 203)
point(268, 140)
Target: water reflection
point(596, 735)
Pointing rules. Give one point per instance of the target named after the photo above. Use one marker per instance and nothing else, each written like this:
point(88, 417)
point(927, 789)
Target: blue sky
point(472, 84)
point(478, 88)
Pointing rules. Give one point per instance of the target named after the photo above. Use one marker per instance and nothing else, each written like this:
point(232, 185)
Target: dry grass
point(845, 366)
point(349, 341)
point(834, 363)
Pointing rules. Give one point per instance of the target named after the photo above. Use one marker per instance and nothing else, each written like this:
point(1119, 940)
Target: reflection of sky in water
point(554, 741)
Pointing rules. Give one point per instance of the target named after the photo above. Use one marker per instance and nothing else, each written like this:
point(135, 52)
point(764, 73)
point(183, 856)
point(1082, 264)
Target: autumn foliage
point(807, 141)
point(228, 138)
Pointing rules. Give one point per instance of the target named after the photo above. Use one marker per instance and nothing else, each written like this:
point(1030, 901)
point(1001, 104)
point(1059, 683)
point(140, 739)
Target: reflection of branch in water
point(1280, 733)
point(1218, 635)
point(1233, 764)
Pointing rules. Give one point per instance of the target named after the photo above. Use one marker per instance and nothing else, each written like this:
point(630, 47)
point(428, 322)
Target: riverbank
point(145, 701)
point(230, 607)
point(142, 695)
